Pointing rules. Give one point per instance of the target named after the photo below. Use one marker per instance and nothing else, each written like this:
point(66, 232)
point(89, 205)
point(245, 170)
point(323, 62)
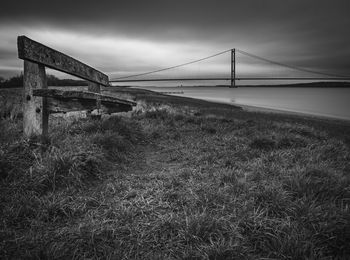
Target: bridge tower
point(233, 68)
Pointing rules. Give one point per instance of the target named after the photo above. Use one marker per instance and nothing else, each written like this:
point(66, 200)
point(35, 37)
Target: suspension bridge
point(232, 77)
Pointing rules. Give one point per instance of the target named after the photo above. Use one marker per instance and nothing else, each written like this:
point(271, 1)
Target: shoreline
point(290, 112)
point(252, 108)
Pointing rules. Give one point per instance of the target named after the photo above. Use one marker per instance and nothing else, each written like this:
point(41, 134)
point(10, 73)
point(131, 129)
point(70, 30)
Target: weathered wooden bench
point(39, 101)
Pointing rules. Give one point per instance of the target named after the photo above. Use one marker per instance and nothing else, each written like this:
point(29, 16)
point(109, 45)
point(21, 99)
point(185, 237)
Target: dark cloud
point(310, 33)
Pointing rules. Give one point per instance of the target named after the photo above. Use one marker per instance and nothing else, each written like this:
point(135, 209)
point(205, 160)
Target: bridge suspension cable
point(172, 67)
point(289, 66)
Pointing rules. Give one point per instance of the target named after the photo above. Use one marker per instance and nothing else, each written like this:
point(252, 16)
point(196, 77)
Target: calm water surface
point(329, 102)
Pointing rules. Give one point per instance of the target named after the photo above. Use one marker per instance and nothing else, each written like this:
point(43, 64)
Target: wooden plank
point(35, 114)
point(66, 101)
point(62, 105)
point(38, 53)
point(56, 105)
point(75, 94)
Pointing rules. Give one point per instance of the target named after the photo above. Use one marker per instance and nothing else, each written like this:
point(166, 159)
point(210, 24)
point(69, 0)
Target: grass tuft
point(263, 144)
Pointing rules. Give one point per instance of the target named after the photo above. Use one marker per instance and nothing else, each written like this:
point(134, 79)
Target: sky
point(130, 37)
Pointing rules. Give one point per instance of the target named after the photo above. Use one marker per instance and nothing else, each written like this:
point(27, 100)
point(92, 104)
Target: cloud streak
point(127, 37)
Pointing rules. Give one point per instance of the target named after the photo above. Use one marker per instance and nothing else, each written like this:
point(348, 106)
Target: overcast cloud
point(127, 37)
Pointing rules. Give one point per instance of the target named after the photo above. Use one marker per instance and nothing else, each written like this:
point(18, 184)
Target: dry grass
point(10, 103)
point(204, 182)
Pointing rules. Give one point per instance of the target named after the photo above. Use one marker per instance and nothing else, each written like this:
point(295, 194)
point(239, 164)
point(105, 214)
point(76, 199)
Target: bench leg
point(94, 87)
point(35, 112)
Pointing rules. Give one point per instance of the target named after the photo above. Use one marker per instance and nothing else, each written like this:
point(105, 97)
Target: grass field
point(177, 178)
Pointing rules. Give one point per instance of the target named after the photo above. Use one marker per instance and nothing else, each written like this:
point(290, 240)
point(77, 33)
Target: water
point(327, 102)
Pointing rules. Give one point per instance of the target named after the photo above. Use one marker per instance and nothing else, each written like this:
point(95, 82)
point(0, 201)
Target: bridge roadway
point(228, 78)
